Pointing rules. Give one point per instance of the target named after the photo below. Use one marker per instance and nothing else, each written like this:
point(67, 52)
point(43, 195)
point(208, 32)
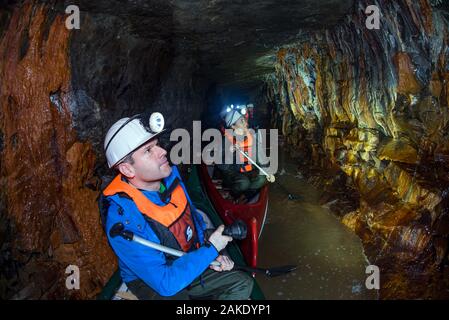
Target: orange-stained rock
point(53, 216)
point(378, 110)
point(435, 86)
point(405, 69)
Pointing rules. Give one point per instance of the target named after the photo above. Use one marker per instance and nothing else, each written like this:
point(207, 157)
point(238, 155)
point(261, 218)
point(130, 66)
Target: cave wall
point(60, 91)
point(371, 106)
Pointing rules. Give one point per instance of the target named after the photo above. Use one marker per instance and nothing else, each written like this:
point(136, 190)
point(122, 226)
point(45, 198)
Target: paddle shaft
point(130, 236)
point(270, 272)
point(173, 252)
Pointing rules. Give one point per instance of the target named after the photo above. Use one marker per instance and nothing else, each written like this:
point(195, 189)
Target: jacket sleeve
point(151, 266)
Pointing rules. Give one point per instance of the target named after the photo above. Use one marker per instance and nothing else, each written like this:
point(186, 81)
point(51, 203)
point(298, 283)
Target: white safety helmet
point(128, 134)
point(232, 117)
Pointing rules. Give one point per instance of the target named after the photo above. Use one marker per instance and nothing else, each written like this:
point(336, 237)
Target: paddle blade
point(269, 272)
point(277, 271)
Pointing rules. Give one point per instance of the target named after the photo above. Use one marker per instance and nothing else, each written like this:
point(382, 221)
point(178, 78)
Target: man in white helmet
point(242, 178)
point(150, 200)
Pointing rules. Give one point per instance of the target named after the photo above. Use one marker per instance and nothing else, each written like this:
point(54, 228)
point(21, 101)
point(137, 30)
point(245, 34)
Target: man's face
point(150, 162)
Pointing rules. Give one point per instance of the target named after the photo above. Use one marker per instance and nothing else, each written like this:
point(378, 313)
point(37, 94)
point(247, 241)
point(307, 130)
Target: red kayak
point(252, 213)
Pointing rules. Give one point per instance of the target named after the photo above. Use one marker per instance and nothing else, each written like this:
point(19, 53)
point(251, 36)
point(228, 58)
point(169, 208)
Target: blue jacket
point(139, 262)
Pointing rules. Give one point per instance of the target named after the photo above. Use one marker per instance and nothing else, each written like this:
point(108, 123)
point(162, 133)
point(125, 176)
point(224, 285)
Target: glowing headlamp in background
point(239, 108)
point(242, 110)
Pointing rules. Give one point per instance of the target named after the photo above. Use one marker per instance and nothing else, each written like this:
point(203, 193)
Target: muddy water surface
point(330, 258)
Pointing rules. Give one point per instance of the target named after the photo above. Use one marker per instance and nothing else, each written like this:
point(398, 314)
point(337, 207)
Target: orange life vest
point(246, 146)
point(174, 216)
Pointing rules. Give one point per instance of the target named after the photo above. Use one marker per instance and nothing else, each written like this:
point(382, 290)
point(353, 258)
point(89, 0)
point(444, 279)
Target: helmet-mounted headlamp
point(128, 134)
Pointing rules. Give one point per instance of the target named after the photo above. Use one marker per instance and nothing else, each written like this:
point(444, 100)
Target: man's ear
point(127, 170)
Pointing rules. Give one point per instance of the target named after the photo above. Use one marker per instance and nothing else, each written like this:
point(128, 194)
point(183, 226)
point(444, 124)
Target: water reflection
point(330, 259)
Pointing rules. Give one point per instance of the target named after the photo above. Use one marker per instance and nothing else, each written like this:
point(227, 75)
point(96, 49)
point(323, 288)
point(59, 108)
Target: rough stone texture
point(371, 107)
point(234, 41)
point(50, 215)
point(373, 104)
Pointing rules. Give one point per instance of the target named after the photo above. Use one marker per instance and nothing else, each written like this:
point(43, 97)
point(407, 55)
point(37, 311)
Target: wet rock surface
point(233, 40)
point(60, 92)
point(49, 218)
point(370, 107)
